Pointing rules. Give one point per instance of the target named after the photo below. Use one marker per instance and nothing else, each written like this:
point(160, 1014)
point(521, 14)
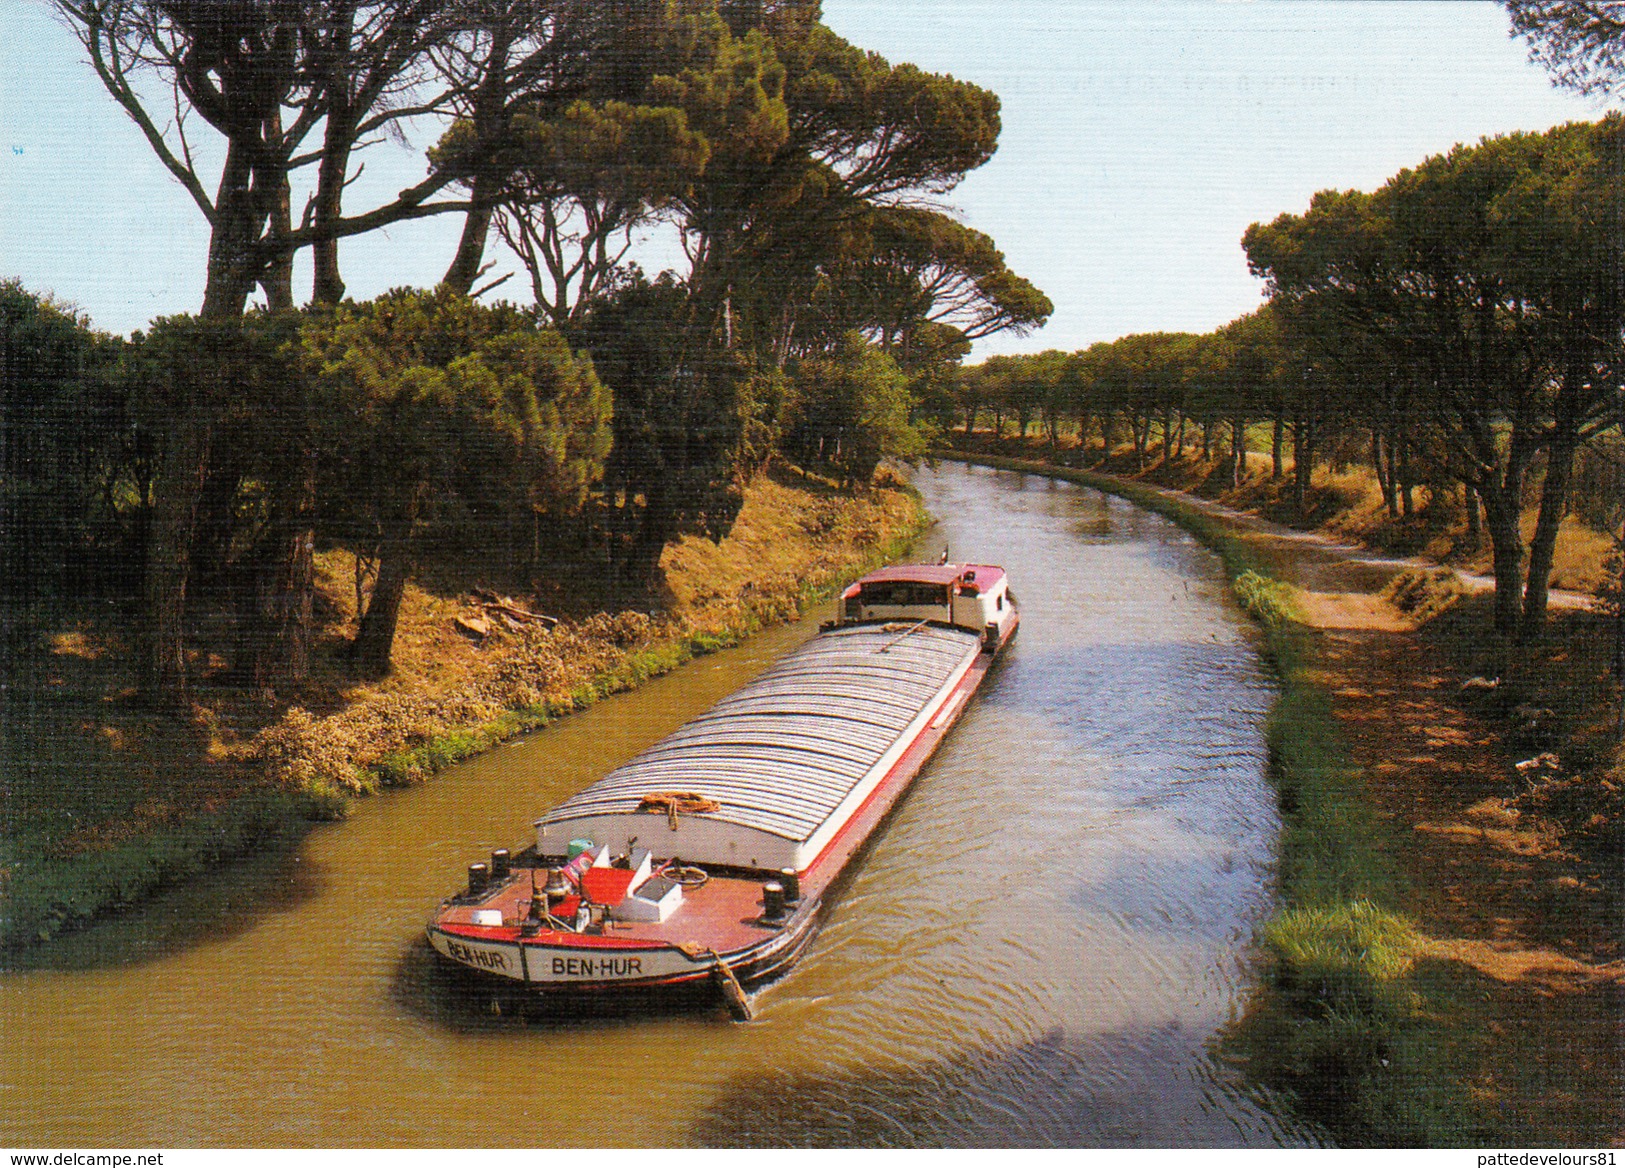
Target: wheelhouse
point(967, 596)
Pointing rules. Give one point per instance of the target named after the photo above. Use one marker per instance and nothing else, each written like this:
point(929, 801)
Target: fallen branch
point(507, 606)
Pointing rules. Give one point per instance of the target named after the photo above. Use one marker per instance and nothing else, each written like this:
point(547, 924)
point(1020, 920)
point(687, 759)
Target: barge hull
point(767, 797)
point(576, 964)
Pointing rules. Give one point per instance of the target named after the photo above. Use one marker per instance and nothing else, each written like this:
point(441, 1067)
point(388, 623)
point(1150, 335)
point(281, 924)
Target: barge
point(705, 859)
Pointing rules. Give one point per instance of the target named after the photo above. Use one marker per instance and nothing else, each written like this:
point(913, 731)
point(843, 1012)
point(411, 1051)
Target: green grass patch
point(1268, 601)
point(1345, 957)
point(45, 898)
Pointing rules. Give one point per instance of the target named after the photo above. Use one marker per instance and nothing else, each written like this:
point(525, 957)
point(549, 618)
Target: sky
point(1139, 141)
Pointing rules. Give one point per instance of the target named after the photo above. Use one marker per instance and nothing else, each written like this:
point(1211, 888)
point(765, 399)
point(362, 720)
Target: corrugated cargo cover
point(789, 758)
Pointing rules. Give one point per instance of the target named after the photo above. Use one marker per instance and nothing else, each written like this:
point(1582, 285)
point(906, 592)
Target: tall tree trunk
point(1407, 487)
point(277, 277)
point(1554, 503)
point(1277, 440)
point(182, 468)
point(657, 522)
point(338, 140)
point(1391, 449)
point(232, 267)
point(469, 261)
point(1378, 468)
point(1380, 449)
point(1238, 451)
point(1168, 434)
point(374, 642)
point(214, 524)
point(327, 285)
point(293, 601)
point(248, 658)
point(1506, 543)
point(274, 622)
point(1303, 462)
point(1475, 527)
point(489, 117)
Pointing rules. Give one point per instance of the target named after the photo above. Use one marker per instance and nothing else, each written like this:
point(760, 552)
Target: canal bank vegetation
point(317, 549)
point(1437, 369)
point(1571, 671)
point(1372, 1021)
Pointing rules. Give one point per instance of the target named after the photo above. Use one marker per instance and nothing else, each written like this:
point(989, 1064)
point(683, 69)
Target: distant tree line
point(1461, 327)
point(825, 297)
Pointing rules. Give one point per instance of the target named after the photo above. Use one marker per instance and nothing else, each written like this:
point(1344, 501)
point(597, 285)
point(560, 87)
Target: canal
point(1040, 947)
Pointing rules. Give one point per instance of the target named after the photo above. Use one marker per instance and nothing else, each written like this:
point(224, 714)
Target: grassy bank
point(105, 803)
point(1353, 1023)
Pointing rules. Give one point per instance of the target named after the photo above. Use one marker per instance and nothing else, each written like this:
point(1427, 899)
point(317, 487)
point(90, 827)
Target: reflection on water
point(1038, 948)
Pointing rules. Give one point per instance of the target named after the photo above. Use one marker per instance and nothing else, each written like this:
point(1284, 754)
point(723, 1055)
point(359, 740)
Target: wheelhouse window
point(904, 593)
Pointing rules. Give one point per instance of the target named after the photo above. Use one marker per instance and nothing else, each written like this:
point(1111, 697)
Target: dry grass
point(1581, 550)
point(792, 530)
point(791, 537)
point(1423, 593)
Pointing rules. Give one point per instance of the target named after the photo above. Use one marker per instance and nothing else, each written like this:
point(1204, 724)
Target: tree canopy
point(1483, 290)
point(1581, 43)
point(802, 174)
point(447, 403)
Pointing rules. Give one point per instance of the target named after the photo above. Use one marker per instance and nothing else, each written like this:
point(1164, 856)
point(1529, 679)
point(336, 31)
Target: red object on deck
point(606, 885)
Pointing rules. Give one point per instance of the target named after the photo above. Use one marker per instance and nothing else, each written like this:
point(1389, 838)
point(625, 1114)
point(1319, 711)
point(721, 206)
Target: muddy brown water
point(1039, 948)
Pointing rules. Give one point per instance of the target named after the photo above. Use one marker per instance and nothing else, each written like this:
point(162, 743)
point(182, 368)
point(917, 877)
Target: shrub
point(1342, 959)
point(1267, 601)
point(1424, 593)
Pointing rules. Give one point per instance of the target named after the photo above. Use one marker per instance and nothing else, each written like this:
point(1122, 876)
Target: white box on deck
point(652, 901)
